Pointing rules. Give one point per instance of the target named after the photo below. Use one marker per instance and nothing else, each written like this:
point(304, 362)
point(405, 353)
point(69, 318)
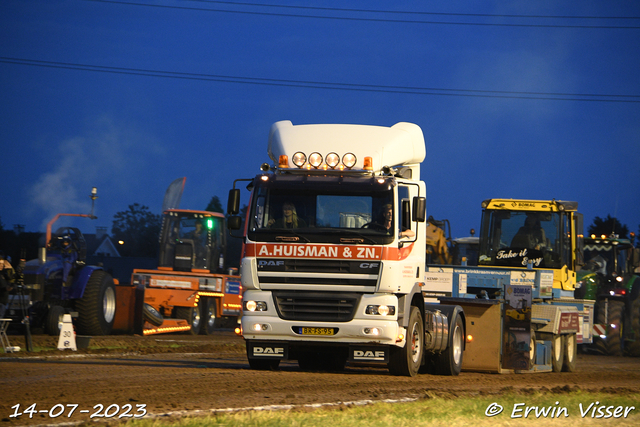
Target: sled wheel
point(210, 319)
point(97, 307)
point(557, 353)
point(192, 315)
point(570, 353)
point(54, 319)
point(152, 315)
point(406, 361)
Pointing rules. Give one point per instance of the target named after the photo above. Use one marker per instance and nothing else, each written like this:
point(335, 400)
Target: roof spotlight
point(315, 159)
point(349, 160)
point(332, 160)
point(299, 159)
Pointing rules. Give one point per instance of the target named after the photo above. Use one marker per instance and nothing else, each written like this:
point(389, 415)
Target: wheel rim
point(109, 305)
point(195, 318)
point(415, 343)
point(557, 347)
point(457, 345)
point(571, 347)
point(211, 316)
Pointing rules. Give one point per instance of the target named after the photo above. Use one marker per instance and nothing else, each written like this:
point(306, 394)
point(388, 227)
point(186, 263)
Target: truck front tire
point(406, 361)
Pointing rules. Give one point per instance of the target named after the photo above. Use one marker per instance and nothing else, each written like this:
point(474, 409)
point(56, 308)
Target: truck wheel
point(210, 318)
point(450, 360)
point(613, 318)
point(570, 353)
point(557, 353)
point(406, 361)
point(97, 307)
point(192, 315)
point(152, 315)
point(54, 318)
point(632, 348)
point(263, 364)
point(532, 350)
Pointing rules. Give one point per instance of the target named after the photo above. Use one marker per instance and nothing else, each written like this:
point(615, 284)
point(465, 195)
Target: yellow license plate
point(317, 331)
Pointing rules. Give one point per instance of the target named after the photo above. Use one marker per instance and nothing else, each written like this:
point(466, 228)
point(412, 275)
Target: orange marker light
point(368, 163)
point(283, 161)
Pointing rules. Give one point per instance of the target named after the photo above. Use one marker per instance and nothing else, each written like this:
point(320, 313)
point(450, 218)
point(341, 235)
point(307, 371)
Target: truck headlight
point(381, 310)
point(255, 305)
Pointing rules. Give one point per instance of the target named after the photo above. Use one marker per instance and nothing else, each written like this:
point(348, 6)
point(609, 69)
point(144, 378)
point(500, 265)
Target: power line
point(412, 90)
point(371, 19)
point(391, 12)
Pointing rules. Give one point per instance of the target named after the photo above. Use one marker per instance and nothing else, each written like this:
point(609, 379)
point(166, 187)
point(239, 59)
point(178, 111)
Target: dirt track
point(173, 373)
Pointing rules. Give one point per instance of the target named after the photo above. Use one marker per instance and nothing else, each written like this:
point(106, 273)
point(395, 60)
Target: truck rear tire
point(97, 307)
point(450, 360)
point(192, 316)
point(557, 353)
point(570, 353)
point(406, 361)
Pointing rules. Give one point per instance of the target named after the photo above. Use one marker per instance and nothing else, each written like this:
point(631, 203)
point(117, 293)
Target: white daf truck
point(334, 266)
point(334, 253)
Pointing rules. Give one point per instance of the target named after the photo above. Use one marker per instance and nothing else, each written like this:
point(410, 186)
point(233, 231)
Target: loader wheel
point(632, 348)
point(210, 318)
point(151, 315)
point(450, 361)
point(97, 307)
point(570, 353)
point(406, 361)
point(612, 316)
point(192, 315)
point(54, 318)
point(557, 353)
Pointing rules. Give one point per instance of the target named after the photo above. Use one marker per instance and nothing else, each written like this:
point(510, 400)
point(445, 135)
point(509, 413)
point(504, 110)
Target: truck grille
point(329, 272)
point(316, 306)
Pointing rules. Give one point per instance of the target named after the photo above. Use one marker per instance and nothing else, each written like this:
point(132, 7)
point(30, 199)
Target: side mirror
point(234, 222)
point(419, 209)
point(233, 204)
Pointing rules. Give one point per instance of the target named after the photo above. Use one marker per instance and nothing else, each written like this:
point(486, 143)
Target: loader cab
point(536, 234)
point(192, 241)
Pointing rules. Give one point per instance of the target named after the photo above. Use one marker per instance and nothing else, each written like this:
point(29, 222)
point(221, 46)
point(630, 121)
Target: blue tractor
point(60, 282)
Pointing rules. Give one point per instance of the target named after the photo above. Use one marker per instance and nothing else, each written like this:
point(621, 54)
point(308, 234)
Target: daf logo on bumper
point(268, 351)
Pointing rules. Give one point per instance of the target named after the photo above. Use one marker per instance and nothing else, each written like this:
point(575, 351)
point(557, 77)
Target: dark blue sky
point(524, 103)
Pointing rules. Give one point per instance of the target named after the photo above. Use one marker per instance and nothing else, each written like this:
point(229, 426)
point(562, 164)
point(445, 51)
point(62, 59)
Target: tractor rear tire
point(97, 307)
point(632, 348)
point(613, 319)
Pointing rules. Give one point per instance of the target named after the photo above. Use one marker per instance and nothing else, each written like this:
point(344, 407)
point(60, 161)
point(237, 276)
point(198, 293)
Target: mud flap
point(378, 354)
point(267, 350)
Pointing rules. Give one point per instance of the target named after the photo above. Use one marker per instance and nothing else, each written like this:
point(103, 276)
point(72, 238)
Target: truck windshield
point(516, 239)
point(326, 210)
